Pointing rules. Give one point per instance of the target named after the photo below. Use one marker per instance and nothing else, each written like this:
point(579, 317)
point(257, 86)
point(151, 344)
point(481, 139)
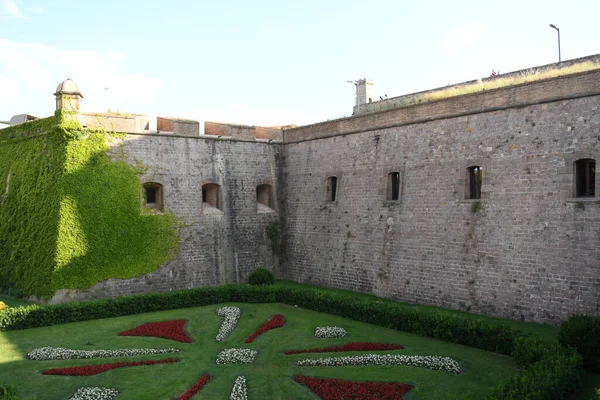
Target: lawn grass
point(547, 333)
point(14, 301)
point(269, 378)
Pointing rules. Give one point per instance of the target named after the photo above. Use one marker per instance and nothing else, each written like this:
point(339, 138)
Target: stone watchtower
point(68, 96)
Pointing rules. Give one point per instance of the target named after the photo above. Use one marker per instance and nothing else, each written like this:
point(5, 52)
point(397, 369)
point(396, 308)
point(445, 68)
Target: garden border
point(551, 371)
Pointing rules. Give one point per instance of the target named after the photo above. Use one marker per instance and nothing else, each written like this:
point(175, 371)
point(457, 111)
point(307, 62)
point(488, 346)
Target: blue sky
point(270, 62)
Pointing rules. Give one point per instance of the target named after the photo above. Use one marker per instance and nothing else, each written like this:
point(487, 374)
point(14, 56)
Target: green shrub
point(261, 276)
point(582, 332)
point(558, 374)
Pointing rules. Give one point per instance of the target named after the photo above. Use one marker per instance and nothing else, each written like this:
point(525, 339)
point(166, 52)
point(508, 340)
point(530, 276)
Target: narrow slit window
point(153, 195)
point(585, 178)
point(474, 178)
point(331, 188)
point(393, 186)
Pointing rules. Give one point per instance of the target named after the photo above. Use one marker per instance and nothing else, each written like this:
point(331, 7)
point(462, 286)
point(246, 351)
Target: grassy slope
point(269, 378)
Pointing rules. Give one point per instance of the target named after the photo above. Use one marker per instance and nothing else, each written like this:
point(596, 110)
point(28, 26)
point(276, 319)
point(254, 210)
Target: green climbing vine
point(70, 215)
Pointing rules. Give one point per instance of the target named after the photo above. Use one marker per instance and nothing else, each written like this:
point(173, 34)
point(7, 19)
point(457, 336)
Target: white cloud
point(36, 69)
point(463, 36)
point(36, 10)
point(10, 8)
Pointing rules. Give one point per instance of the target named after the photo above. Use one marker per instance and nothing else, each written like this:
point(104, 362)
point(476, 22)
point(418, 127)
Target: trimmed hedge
point(583, 333)
point(551, 371)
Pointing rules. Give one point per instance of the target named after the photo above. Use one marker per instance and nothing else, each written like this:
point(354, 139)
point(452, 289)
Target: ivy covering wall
point(71, 215)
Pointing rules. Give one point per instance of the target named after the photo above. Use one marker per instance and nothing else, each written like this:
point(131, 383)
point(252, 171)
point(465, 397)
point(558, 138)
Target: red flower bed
point(275, 322)
point(336, 389)
point(165, 329)
point(195, 389)
point(354, 346)
point(87, 370)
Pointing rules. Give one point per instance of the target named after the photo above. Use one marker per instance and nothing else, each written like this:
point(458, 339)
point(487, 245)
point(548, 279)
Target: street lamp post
point(558, 31)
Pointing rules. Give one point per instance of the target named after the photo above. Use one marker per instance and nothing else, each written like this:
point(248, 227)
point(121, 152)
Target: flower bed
point(94, 393)
point(236, 356)
point(354, 346)
point(276, 322)
point(87, 370)
point(431, 362)
point(239, 391)
point(195, 389)
point(336, 389)
point(232, 316)
point(330, 332)
point(59, 353)
point(164, 329)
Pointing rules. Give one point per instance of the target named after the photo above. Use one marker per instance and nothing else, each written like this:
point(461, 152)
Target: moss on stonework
point(70, 216)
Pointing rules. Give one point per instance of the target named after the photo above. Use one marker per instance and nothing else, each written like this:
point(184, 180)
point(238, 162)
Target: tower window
point(211, 195)
point(585, 178)
point(153, 193)
point(331, 188)
point(474, 179)
point(393, 186)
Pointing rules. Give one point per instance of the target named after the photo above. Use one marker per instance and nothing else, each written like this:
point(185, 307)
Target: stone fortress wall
point(527, 249)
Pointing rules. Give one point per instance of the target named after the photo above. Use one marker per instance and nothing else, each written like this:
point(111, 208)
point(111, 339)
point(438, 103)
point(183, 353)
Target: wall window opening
point(585, 178)
point(211, 195)
point(393, 186)
point(332, 188)
point(263, 195)
point(153, 195)
point(474, 179)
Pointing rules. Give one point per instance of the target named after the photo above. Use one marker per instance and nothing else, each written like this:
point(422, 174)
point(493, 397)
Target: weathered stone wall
point(216, 246)
point(531, 252)
point(563, 88)
point(526, 250)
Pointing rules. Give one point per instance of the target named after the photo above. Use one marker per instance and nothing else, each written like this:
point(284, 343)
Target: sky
point(270, 62)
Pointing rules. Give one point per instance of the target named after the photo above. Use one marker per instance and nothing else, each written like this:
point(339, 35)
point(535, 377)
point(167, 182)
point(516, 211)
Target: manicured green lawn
point(13, 301)
point(269, 378)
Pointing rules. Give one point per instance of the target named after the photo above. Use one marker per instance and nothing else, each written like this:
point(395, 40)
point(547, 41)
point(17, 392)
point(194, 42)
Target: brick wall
point(531, 252)
point(526, 250)
point(242, 131)
point(178, 126)
point(215, 248)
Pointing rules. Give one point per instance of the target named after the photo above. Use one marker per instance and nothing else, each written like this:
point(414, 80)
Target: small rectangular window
point(263, 195)
point(585, 178)
point(331, 188)
point(154, 195)
point(393, 186)
point(211, 195)
point(474, 177)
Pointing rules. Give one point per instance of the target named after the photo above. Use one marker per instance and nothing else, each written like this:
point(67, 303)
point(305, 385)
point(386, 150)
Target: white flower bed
point(236, 356)
point(59, 353)
point(432, 362)
point(239, 391)
point(330, 332)
point(94, 393)
point(232, 316)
